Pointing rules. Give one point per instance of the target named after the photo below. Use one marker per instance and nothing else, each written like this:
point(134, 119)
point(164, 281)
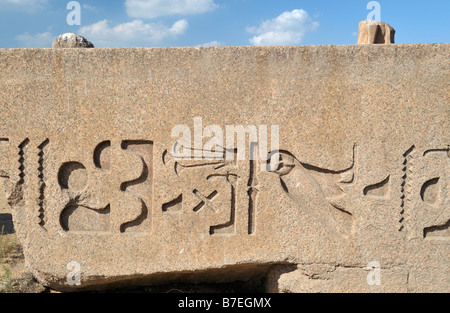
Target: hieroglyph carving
point(326, 189)
point(225, 180)
point(425, 193)
point(87, 208)
point(215, 185)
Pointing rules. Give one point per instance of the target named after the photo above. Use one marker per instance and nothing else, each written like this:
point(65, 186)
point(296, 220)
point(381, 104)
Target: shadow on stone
point(6, 224)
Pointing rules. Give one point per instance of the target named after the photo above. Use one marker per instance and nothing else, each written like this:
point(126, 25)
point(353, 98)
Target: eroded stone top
point(374, 32)
point(71, 40)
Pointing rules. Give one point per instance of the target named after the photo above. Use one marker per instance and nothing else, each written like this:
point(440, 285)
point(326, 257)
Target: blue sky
point(158, 23)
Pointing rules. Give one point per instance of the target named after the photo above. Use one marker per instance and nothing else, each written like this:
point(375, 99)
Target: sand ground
point(13, 274)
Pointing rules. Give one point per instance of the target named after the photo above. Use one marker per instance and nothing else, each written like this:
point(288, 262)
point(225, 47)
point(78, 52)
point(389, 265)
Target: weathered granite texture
point(373, 32)
point(85, 155)
point(71, 40)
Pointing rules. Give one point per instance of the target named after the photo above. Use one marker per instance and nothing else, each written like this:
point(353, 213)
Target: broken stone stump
point(71, 40)
point(373, 32)
point(322, 168)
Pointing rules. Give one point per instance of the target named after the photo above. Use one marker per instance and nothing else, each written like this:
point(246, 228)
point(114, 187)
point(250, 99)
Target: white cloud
point(102, 34)
point(213, 43)
point(289, 28)
point(41, 40)
point(156, 8)
point(23, 5)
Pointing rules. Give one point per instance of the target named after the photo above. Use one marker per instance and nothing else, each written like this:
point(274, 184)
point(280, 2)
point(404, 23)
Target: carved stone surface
point(373, 32)
point(359, 183)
